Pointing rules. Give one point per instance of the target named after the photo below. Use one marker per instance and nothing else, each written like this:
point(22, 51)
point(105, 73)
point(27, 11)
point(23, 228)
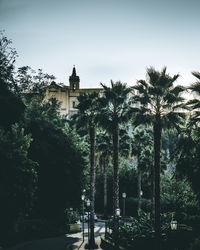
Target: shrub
point(193, 221)
point(71, 216)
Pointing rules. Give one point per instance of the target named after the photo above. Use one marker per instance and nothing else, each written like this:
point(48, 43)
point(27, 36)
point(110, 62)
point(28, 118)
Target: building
point(67, 95)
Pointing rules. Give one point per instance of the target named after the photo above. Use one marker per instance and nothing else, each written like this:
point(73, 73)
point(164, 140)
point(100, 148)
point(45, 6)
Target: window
point(53, 91)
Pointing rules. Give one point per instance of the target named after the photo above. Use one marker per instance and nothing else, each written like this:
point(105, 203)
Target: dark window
point(53, 91)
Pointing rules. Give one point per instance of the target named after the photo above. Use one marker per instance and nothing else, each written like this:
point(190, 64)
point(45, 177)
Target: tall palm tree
point(114, 111)
point(141, 148)
point(86, 116)
point(159, 104)
point(104, 149)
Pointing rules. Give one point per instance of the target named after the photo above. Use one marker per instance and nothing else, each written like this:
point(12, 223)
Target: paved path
point(65, 242)
point(56, 243)
point(99, 230)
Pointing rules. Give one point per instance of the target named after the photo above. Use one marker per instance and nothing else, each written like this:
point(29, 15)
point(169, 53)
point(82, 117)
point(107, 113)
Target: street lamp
point(83, 199)
point(124, 201)
point(117, 212)
point(88, 205)
point(174, 225)
point(141, 192)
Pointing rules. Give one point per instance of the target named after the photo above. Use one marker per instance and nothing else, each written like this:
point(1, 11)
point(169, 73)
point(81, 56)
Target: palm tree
point(114, 111)
point(141, 148)
point(87, 111)
point(159, 104)
point(104, 149)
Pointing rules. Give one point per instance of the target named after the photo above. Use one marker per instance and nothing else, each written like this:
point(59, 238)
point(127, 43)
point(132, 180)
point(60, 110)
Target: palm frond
point(195, 87)
point(180, 106)
point(171, 99)
point(173, 119)
point(178, 90)
point(196, 74)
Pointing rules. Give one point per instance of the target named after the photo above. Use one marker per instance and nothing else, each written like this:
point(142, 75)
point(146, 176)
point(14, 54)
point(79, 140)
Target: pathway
point(65, 242)
point(99, 230)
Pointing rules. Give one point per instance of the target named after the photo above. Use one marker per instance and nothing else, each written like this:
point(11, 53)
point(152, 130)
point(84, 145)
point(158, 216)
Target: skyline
point(113, 39)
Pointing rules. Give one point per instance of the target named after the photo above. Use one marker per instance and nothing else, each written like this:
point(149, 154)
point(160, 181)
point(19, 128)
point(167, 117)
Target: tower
point(74, 80)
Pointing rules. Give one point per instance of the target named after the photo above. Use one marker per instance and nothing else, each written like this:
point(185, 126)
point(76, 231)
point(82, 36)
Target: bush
point(71, 216)
point(177, 195)
point(140, 234)
point(193, 221)
point(143, 225)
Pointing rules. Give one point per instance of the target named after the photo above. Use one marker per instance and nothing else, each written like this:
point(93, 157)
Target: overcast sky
point(105, 39)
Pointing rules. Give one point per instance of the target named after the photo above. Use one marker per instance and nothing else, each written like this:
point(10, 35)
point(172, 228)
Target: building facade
point(67, 95)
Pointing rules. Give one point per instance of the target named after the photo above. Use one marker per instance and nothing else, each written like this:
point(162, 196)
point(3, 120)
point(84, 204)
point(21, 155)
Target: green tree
point(187, 156)
point(18, 178)
point(32, 84)
point(7, 59)
point(177, 195)
point(189, 143)
point(86, 116)
point(11, 106)
point(114, 112)
point(159, 104)
point(60, 156)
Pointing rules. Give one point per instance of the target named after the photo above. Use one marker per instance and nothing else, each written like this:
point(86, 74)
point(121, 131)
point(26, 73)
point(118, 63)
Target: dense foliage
point(42, 159)
point(60, 157)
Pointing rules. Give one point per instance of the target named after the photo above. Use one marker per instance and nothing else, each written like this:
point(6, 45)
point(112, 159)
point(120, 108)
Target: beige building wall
point(67, 95)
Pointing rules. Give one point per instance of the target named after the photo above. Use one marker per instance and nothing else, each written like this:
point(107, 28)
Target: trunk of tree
point(139, 179)
point(116, 182)
point(115, 168)
point(153, 190)
point(105, 165)
point(92, 184)
point(157, 150)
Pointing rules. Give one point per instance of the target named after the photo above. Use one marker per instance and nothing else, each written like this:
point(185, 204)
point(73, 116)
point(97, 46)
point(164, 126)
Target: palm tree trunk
point(139, 180)
point(92, 184)
point(116, 182)
point(153, 190)
point(105, 165)
point(115, 168)
point(157, 150)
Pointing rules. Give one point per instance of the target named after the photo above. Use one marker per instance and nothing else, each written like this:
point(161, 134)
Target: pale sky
point(104, 39)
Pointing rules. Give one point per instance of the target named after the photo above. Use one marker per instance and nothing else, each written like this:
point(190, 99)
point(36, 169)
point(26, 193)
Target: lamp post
point(174, 225)
point(124, 203)
point(117, 214)
point(83, 219)
point(88, 205)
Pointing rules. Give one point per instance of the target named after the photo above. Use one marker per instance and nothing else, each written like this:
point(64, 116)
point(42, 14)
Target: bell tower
point(74, 80)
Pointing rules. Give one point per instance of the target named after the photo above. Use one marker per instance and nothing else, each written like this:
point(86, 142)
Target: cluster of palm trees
point(154, 102)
